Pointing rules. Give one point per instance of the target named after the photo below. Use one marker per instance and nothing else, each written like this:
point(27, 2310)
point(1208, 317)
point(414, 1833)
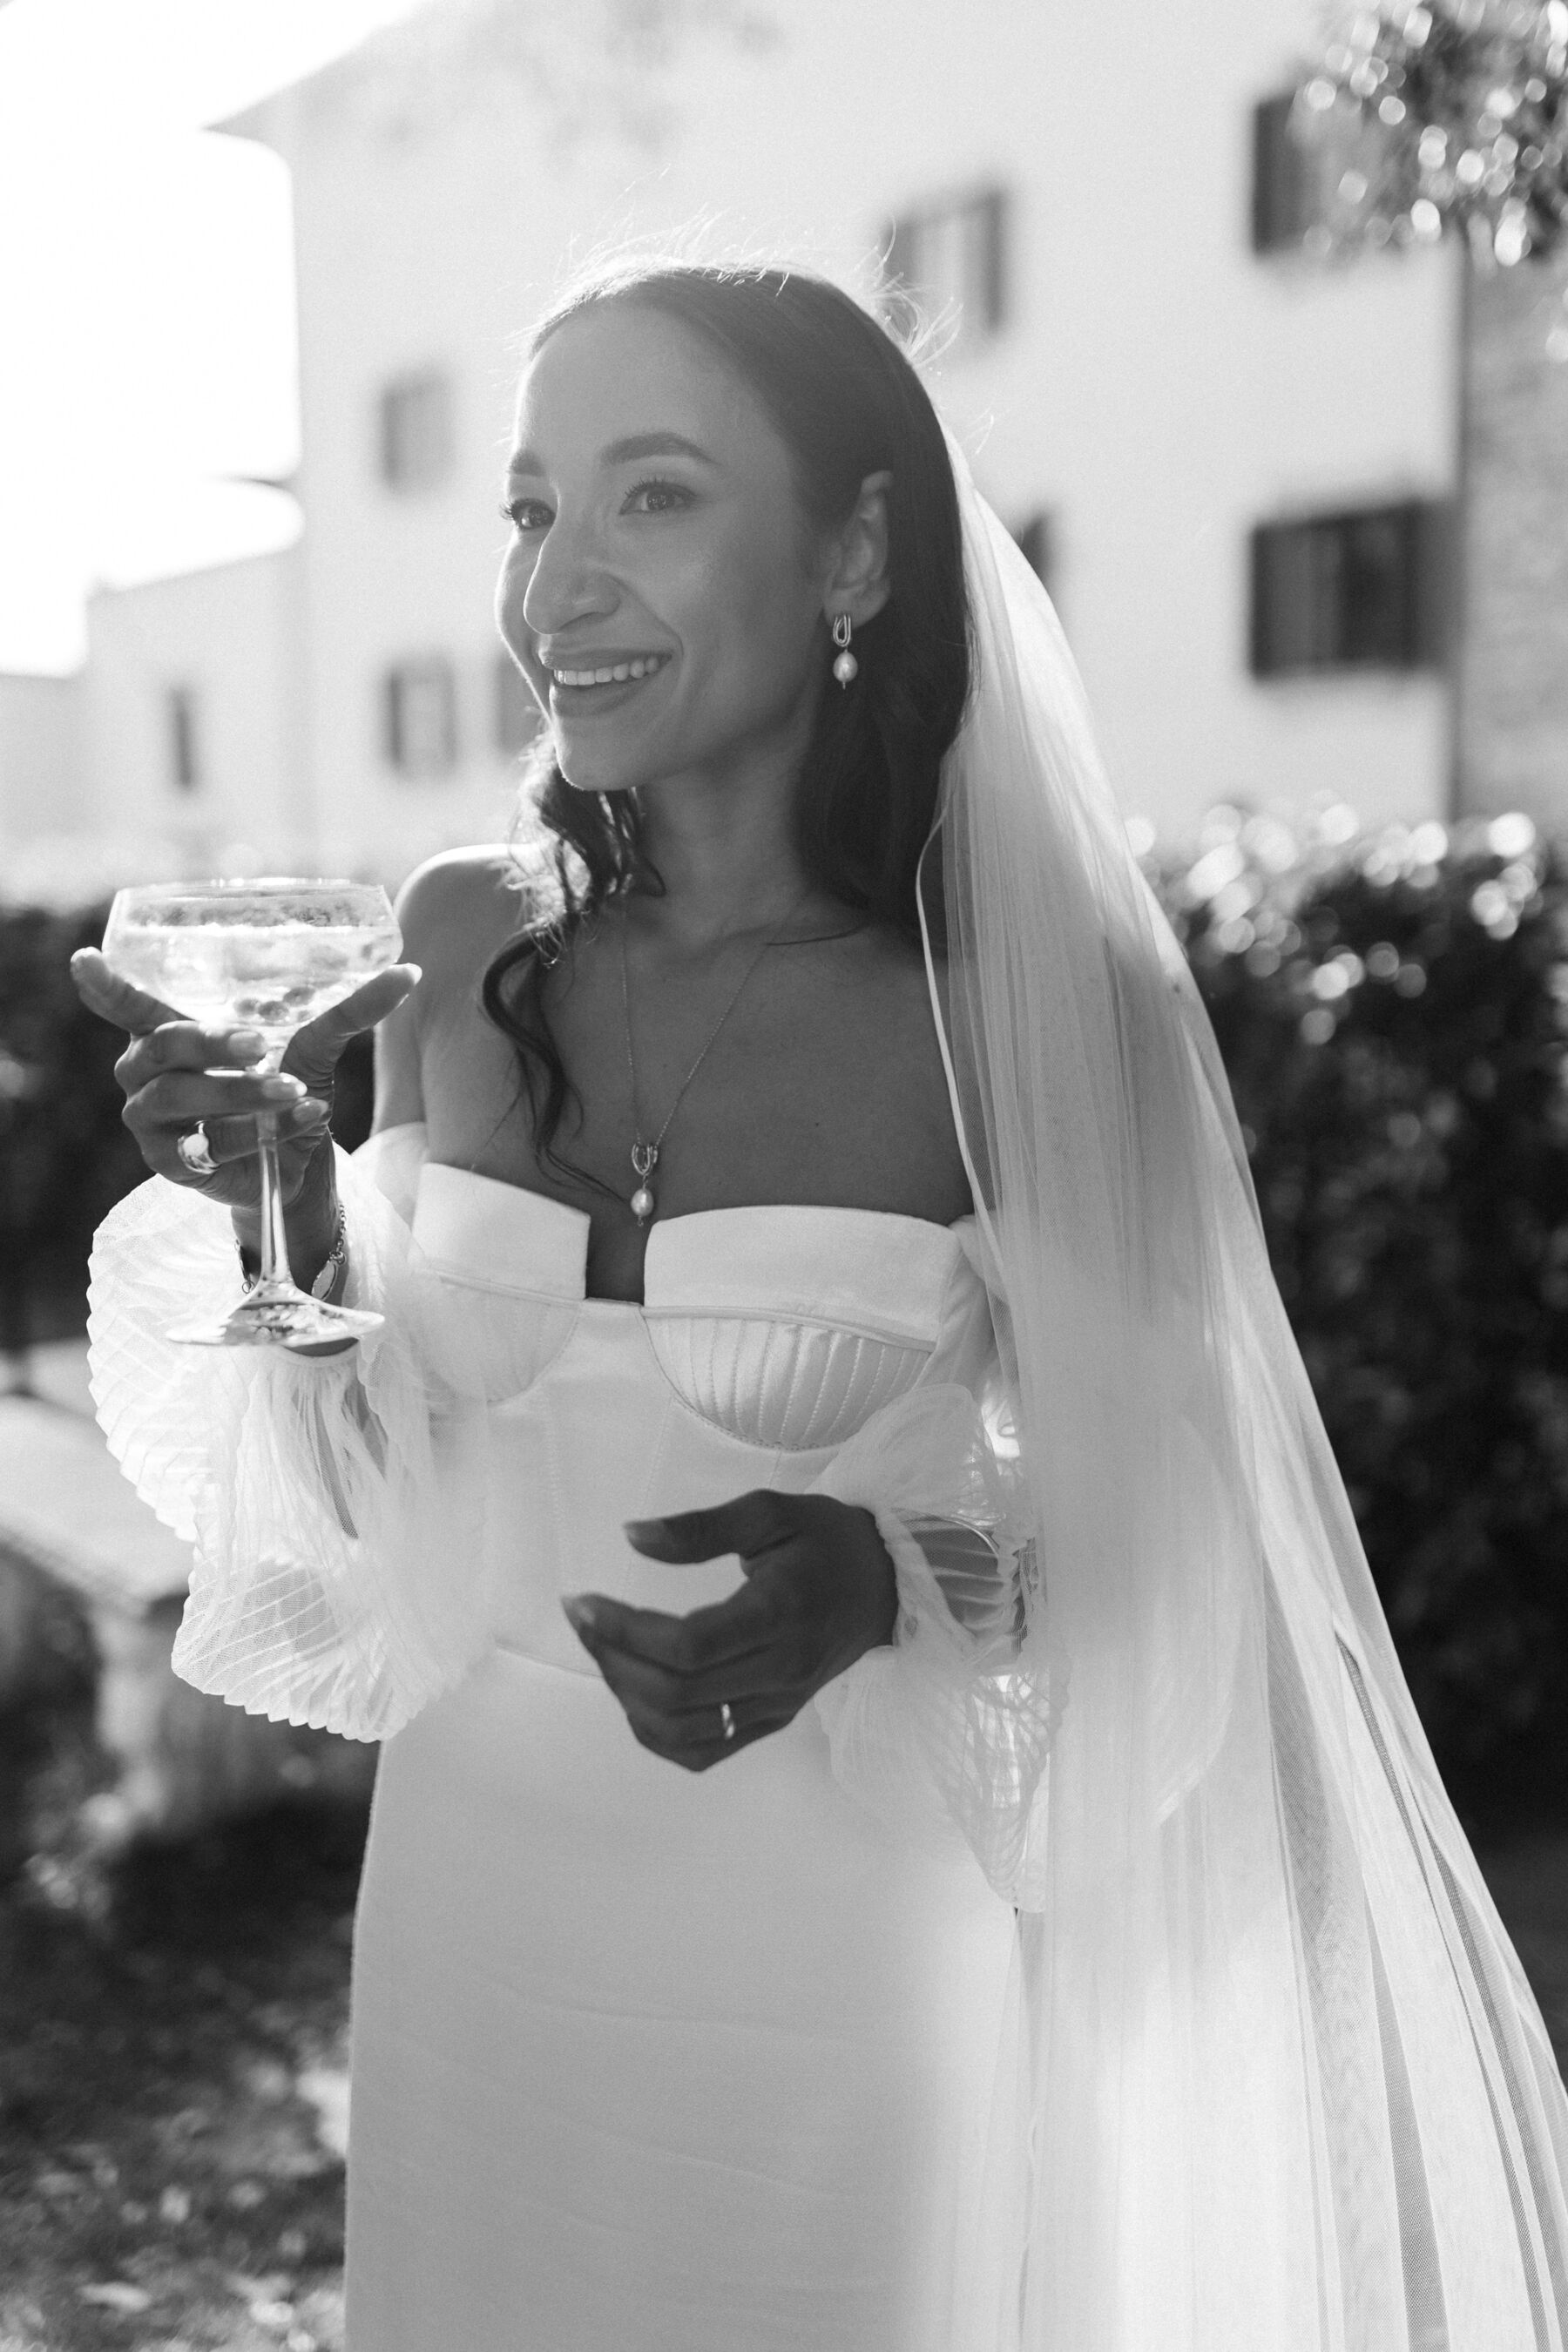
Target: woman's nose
point(567, 582)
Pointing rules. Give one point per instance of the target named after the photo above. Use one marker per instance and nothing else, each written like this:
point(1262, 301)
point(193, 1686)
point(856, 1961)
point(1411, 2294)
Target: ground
point(173, 2094)
point(173, 2085)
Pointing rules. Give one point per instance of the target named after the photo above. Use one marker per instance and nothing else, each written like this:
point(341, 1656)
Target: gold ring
point(726, 1718)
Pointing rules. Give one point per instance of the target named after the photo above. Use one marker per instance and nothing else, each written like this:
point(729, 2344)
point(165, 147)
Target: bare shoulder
point(456, 910)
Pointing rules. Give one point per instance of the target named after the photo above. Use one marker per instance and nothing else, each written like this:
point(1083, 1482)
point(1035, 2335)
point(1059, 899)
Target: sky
point(146, 295)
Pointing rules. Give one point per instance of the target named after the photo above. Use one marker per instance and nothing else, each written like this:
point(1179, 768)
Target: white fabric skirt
point(652, 2062)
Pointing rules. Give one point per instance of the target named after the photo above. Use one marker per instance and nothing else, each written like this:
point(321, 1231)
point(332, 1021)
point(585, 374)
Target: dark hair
point(846, 402)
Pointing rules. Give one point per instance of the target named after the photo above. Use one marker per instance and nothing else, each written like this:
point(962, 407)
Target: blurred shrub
point(65, 1158)
point(1391, 1009)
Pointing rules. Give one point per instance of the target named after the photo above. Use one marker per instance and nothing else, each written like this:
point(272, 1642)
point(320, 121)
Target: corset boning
point(795, 1386)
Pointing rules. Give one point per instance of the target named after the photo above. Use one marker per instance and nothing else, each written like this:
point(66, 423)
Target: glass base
point(277, 1314)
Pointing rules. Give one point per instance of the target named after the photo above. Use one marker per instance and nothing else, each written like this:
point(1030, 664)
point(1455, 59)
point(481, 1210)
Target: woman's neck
point(727, 862)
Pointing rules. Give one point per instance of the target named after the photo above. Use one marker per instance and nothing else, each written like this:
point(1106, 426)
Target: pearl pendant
point(645, 1157)
point(846, 667)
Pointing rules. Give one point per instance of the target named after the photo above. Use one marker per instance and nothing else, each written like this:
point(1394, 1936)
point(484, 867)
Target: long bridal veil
point(1282, 2083)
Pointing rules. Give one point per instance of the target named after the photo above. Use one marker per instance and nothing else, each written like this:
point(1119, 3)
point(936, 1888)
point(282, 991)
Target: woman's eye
point(525, 514)
point(658, 498)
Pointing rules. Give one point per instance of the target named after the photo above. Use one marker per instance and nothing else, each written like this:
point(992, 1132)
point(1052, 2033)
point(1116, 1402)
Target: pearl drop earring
point(845, 664)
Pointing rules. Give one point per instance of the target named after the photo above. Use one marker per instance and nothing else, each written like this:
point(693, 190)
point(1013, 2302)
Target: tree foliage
point(1447, 116)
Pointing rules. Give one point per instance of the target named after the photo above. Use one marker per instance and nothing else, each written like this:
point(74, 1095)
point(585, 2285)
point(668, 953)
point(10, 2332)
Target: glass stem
point(274, 1232)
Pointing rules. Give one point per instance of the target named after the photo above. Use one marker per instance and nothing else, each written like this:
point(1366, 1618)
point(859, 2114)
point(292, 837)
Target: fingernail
point(634, 1528)
point(248, 1044)
point(311, 1109)
point(581, 1612)
point(282, 1088)
point(418, 972)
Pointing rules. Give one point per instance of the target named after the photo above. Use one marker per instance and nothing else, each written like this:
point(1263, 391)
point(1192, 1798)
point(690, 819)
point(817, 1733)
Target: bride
point(1017, 1907)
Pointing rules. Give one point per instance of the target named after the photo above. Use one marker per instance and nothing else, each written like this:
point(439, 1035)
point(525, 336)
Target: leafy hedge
point(1391, 1009)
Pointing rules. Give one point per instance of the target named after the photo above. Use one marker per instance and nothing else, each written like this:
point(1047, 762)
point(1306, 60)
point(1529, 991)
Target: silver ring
point(726, 1718)
point(195, 1152)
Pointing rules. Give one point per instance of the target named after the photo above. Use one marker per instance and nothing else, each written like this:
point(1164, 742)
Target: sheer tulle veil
point(1280, 2080)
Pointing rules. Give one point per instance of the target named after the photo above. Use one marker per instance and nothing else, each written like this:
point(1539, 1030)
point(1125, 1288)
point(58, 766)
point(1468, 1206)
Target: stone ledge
point(65, 1504)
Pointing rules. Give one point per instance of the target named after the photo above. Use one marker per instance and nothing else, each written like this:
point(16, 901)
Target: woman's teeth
point(644, 667)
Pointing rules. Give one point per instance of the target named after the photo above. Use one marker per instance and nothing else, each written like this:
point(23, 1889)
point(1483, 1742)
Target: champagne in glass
point(267, 955)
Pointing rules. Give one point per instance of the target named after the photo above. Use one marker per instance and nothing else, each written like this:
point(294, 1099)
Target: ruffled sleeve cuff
point(334, 1504)
point(958, 1709)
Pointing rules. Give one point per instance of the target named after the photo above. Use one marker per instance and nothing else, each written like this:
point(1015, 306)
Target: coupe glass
point(266, 955)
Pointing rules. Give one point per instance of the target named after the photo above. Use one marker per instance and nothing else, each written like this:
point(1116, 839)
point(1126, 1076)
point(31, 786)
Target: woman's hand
point(173, 1073)
point(819, 1591)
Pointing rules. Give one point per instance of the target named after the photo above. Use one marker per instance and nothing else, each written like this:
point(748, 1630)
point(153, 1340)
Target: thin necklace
point(644, 1156)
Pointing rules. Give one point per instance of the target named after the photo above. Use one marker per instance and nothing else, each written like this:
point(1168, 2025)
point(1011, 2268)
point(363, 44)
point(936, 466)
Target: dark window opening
point(185, 745)
point(418, 447)
point(419, 717)
point(953, 258)
point(1315, 173)
point(1284, 190)
point(1364, 589)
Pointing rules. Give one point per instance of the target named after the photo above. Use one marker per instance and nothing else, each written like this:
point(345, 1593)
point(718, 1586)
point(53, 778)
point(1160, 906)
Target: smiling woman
point(819, 1159)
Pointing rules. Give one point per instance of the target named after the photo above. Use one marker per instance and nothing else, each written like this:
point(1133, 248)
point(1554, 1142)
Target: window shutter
point(1367, 588)
point(1281, 204)
point(417, 441)
point(419, 704)
point(184, 742)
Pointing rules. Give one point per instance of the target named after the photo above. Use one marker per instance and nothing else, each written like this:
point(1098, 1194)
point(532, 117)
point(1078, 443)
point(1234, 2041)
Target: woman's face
point(657, 535)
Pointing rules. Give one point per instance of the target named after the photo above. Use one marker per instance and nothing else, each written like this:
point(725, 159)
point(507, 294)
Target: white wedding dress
point(643, 2061)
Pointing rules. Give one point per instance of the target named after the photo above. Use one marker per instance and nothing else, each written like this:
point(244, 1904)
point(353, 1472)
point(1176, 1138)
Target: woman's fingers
point(706, 1639)
point(231, 1137)
point(697, 1744)
point(184, 1045)
point(671, 1675)
point(656, 1692)
point(748, 1525)
point(315, 1051)
point(179, 1097)
point(102, 991)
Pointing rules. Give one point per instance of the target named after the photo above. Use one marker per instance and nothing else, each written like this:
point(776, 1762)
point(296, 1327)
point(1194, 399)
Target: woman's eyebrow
point(623, 453)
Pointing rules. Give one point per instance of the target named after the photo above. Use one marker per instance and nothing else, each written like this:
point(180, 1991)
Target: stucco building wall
point(229, 641)
point(1155, 386)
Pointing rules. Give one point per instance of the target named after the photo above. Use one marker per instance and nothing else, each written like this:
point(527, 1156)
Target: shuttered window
point(953, 257)
point(1284, 182)
point(417, 441)
point(419, 717)
point(183, 713)
point(1365, 588)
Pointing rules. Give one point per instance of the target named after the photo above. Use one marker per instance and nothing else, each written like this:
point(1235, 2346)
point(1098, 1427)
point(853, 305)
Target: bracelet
point(332, 1264)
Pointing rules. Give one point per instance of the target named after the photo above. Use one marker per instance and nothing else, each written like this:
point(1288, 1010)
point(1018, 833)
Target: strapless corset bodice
point(765, 1339)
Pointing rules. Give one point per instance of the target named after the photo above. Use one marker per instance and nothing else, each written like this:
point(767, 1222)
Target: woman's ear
point(859, 582)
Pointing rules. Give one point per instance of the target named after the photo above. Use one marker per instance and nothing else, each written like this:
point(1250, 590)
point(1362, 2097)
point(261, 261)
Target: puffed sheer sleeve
point(957, 1710)
point(333, 1503)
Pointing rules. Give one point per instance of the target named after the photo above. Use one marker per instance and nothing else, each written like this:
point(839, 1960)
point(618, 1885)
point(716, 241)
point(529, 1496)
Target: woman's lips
point(605, 668)
point(584, 700)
